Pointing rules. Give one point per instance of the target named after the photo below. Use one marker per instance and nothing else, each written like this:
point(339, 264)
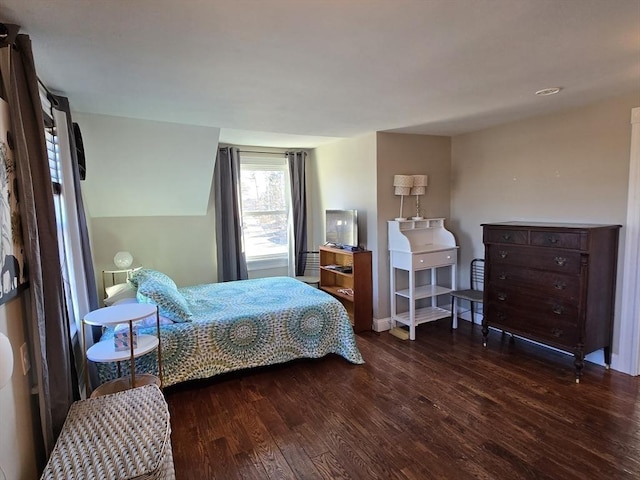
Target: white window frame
point(258, 162)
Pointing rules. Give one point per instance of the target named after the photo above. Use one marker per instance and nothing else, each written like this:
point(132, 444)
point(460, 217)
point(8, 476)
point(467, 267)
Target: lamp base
point(400, 219)
point(417, 218)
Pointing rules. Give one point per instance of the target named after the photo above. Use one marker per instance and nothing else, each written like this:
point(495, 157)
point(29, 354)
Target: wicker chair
point(125, 435)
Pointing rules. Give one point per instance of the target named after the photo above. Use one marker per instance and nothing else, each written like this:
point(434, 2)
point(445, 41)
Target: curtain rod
point(271, 153)
point(262, 153)
point(52, 96)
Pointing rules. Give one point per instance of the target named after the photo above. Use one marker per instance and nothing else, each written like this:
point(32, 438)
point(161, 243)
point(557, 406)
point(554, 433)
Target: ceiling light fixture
point(548, 91)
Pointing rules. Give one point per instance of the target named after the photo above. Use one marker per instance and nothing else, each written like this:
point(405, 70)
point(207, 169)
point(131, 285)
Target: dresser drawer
point(534, 281)
point(562, 308)
point(538, 258)
point(572, 240)
point(535, 325)
point(499, 235)
point(434, 259)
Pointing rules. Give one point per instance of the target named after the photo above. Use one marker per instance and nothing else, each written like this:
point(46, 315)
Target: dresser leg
point(485, 333)
point(579, 362)
point(607, 357)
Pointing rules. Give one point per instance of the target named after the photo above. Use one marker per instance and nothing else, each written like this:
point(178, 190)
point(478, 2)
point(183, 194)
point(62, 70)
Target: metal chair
point(311, 268)
point(473, 294)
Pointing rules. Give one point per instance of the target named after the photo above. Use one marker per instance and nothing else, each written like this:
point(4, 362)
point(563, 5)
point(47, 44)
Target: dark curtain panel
point(299, 206)
point(232, 264)
point(49, 329)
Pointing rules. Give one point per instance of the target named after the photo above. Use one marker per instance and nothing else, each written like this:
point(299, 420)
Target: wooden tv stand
point(358, 285)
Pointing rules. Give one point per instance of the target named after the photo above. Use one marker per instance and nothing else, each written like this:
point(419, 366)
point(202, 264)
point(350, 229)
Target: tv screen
point(342, 228)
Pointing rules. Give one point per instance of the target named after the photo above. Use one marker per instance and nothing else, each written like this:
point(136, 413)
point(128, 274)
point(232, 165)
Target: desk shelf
point(418, 246)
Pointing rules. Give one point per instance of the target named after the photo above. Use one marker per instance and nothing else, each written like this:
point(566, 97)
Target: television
point(341, 228)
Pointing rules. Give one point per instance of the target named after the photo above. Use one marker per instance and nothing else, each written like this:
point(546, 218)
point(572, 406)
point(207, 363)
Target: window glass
point(265, 207)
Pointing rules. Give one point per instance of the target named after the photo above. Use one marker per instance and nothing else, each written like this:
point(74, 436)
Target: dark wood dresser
point(553, 283)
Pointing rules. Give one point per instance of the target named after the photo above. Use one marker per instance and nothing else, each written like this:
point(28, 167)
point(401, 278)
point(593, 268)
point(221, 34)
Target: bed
point(237, 325)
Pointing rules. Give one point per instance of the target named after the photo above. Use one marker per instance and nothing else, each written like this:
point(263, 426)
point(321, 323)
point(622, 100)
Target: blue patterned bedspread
point(246, 324)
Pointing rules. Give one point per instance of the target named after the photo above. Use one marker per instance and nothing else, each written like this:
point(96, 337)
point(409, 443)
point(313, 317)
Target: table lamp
point(123, 260)
point(419, 188)
point(402, 184)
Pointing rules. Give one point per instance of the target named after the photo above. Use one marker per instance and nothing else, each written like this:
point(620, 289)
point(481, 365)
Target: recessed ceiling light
point(548, 91)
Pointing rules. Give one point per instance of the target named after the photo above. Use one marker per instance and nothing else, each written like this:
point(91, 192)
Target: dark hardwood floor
point(442, 407)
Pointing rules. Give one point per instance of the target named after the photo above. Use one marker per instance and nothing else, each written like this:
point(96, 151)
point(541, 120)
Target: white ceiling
point(318, 69)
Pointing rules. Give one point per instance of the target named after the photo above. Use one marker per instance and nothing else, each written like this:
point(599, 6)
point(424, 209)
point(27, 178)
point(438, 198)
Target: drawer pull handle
point(506, 236)
point(502, 276)
point(503, 253)
point(556, 332)
point(560, 261)
point(502, 296)
point(552, 240)
point(558, 285)
point(558, 310)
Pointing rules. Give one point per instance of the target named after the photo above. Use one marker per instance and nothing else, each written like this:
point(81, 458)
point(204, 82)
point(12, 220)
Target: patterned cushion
point(138, 276)
point(170, 302)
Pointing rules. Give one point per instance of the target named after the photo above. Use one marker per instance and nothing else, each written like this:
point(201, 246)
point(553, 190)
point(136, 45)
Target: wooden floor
point(442, 407)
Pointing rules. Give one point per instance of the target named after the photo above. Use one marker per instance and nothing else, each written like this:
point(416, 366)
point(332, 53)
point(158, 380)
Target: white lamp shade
point(420, 181)
point(402, 190)
point(403, 181)
point(123, 259)
point(6, 360)
point(418, 190)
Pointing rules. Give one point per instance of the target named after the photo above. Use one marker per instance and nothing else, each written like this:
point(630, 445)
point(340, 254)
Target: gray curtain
point(232, 264)
point(296, 162)
point(49, 328)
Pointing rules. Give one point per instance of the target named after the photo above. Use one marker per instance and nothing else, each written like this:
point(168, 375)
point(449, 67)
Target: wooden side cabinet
point(347, 276)
point(552, 283)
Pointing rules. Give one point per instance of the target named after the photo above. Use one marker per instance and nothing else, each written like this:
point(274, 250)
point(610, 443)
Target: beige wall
point(19, 441)
point(342, 175)
point(569, 167)
point(408, 154)
point(181, 247)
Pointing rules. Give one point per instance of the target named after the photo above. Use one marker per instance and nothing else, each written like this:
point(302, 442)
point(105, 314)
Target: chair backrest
point(477, 274)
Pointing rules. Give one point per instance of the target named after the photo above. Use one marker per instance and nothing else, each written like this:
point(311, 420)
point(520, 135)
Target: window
point(53, 154)
point(265, 198)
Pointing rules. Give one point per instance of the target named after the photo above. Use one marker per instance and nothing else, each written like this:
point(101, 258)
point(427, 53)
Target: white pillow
point(150, 321)
point(118, 292)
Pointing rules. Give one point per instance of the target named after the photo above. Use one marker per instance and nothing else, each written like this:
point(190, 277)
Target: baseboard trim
point(381, 324)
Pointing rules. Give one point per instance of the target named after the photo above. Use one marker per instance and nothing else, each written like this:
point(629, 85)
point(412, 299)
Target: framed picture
point(13, 269)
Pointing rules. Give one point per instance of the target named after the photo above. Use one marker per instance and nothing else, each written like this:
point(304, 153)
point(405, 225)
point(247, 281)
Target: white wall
point(143, 168)
point(567, 167)
point(342, 175)
point(20, 440)
point(148, 191)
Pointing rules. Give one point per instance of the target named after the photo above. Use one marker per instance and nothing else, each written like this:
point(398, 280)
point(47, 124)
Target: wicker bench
point(119, 436)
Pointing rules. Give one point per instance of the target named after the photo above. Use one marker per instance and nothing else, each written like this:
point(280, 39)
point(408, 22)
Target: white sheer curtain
point(78, 304)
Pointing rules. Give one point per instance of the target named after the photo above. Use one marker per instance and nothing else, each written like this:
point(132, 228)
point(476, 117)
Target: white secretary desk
point(416, 246)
